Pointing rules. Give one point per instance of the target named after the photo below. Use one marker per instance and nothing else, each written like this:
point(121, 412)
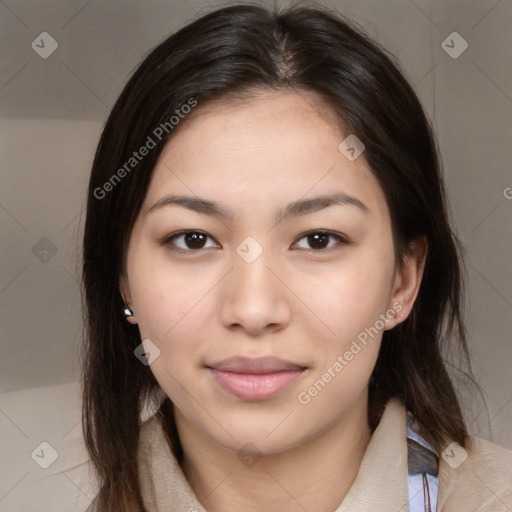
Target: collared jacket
point(477, 478)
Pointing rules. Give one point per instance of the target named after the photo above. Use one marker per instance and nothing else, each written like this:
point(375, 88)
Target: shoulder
point(147, 435)
point(487, 453)
point(491, 462)
point(478, 477)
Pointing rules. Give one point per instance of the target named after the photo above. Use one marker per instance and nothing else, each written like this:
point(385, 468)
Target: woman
point(269, 263)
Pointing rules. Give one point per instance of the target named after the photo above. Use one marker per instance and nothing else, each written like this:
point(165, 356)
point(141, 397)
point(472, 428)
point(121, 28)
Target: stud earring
point(128, 312)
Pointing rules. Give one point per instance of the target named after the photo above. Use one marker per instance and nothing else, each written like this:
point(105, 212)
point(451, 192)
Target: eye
point(192, 240)
point(317, 239)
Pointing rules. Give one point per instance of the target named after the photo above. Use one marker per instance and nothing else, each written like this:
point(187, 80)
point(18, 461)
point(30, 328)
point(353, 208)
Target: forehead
point(273, 147)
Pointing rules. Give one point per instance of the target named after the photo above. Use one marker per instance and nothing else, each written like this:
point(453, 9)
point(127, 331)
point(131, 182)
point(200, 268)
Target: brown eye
point(319, 240)
point(191, 240)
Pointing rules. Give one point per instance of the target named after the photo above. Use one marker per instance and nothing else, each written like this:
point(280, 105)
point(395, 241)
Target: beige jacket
point(482, 482)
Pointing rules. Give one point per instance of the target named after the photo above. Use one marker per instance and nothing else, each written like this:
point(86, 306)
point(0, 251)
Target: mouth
point(255, 379)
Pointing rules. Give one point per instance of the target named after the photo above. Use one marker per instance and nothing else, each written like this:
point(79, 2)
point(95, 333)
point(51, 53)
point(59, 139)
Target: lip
point(255, 379)
point(239, 364)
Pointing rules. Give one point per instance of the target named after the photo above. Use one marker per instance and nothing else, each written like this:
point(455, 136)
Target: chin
point(264, 438)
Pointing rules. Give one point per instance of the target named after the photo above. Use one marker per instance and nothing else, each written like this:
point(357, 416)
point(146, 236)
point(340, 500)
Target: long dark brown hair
point(238, 51)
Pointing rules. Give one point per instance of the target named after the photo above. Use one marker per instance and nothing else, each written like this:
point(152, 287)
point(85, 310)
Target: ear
point(124, 289)
point(408, 280)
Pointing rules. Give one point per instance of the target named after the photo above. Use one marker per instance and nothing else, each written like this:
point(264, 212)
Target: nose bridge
point(252, 273)
point(255, 297)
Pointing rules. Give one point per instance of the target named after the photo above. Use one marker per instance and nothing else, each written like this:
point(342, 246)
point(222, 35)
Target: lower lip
point(255, 386)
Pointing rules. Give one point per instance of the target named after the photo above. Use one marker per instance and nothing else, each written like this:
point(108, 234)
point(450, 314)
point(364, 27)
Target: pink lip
point(255, 379)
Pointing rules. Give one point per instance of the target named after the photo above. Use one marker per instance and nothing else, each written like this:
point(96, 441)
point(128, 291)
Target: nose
point(255, 297)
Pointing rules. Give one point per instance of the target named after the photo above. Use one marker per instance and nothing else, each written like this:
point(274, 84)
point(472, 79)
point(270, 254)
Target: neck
point(313, 476)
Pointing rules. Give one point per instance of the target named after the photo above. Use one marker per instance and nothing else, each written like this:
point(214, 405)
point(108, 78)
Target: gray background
point(52, 112)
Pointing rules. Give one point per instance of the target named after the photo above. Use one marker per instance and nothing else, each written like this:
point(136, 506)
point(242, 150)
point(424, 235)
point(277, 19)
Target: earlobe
point(127, 311)
point(130, 316)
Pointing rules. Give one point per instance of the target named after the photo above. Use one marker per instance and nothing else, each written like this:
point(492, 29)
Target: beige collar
point(482, 482)
point(381, 482)
point(165, 487)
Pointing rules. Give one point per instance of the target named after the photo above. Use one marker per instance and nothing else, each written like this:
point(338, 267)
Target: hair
point(237, 52)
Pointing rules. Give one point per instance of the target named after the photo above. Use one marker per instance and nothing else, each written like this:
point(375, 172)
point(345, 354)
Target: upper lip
point(240, 364)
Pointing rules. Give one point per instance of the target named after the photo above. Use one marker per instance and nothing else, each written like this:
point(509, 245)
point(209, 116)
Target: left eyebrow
point(304, 206)
point(294, 209)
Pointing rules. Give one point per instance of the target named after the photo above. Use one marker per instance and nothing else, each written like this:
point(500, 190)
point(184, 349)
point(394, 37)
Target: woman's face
point(253, 283)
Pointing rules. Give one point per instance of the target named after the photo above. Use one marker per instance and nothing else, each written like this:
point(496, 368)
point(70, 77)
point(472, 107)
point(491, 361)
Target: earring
point(395, 315)
point(128, 312)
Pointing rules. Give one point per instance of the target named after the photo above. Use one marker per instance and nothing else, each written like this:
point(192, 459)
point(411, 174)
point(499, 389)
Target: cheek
point(350, 296)
point(172, 315)
point(347, 350)
point(168, 299)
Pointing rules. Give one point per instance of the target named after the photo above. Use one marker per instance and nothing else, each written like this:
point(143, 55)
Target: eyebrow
point(294, 209)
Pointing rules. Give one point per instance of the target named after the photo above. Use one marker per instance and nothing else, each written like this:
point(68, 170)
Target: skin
point(296, 301)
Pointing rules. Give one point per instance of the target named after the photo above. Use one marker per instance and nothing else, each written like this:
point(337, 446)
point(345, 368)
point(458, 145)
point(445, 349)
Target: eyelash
point(167, 240)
